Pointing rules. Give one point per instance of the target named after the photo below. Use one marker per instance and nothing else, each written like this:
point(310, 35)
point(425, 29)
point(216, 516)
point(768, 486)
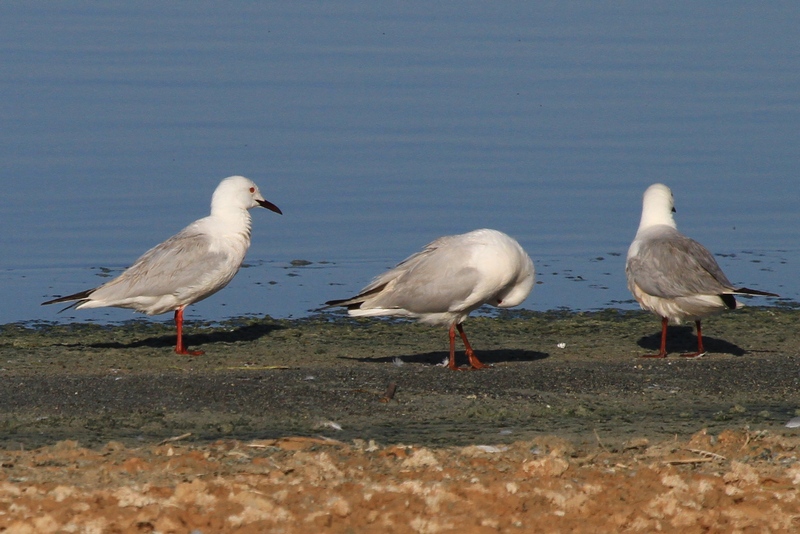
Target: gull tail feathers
point(78, 298)
point(341, 302)
point(357, 301)
point(748, 291)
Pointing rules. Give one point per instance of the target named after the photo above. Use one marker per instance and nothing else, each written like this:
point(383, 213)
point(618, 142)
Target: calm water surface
point(377, 128)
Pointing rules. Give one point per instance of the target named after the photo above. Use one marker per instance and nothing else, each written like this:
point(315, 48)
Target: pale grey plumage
point(193, 264)
point(677, 277)
point(182, 269)
point(189, 266)
point(451, 277)
point(672, 275)
point(667, 251)
point(448, 279)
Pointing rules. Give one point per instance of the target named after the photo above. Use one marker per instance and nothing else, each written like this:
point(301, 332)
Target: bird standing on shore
point(448, 279)
point(673, 276)
point(189, 266)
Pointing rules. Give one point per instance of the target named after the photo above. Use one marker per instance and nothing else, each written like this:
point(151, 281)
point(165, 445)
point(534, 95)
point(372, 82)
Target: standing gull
point(189, 266)
point(448, 279)
point(674, 276)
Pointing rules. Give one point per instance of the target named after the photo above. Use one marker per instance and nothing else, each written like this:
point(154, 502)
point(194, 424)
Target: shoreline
point(267, 378)
point(280, 426)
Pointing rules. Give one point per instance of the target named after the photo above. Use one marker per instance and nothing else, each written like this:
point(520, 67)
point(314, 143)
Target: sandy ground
point(286, 426)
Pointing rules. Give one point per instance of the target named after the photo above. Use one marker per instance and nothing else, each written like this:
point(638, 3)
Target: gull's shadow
point(682, 339)
point(436, 358)
point(250, 332)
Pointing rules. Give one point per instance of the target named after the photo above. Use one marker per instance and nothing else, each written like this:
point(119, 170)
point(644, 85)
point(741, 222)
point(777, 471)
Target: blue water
point(378, 127)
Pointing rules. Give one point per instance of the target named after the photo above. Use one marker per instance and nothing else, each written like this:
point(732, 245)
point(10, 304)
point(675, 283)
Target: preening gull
point(674, 276)
point(189, 266)
point(448, 279)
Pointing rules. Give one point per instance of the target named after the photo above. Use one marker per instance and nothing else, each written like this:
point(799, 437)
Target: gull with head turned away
point(673, 276)
point(189, 266)
point(448, 279)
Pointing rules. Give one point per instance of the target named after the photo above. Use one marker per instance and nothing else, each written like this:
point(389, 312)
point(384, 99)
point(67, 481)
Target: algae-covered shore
point(573, 375)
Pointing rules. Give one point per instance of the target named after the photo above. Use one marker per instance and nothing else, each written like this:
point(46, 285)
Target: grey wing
point(432, 281)
point(676, 266)
point(424, 282)
point(182, 261)
point(380, 281)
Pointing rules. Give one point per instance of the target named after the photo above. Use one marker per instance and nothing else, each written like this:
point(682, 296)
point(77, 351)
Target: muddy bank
point(572, 375)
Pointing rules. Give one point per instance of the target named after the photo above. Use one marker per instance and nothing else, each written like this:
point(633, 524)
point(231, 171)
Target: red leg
point(474, 362)
point(179, 346)
point(452, 333)
point(700, 350)
point(663, 352)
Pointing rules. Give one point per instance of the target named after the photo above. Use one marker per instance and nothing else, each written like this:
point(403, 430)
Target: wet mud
point(577, 376)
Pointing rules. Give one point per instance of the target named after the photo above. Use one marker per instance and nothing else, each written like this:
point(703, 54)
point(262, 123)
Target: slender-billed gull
point(448, 279)
point(189, 266)
point(674, 276)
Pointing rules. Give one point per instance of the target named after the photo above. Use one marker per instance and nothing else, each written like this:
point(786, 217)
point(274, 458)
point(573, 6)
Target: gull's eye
point(252, 189)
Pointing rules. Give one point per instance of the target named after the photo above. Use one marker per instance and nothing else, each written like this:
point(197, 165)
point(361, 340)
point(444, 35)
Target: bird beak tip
point(270, 206)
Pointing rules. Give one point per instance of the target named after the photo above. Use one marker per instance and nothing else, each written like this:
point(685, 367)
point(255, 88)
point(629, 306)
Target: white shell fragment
point(794, 422)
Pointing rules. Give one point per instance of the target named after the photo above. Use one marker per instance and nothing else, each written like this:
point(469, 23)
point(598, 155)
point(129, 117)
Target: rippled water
point(377, 128)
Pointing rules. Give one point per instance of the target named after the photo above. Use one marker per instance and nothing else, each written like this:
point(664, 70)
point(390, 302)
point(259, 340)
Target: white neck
point(654, 218)
point(232, 220)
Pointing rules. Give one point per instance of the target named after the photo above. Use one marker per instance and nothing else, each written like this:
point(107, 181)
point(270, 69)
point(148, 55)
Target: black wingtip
point(354, 303)
point(77, 297)
point(351, 304)
point(748, 291)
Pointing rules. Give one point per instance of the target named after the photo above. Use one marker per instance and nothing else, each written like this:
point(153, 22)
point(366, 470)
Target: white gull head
point(658, 205)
